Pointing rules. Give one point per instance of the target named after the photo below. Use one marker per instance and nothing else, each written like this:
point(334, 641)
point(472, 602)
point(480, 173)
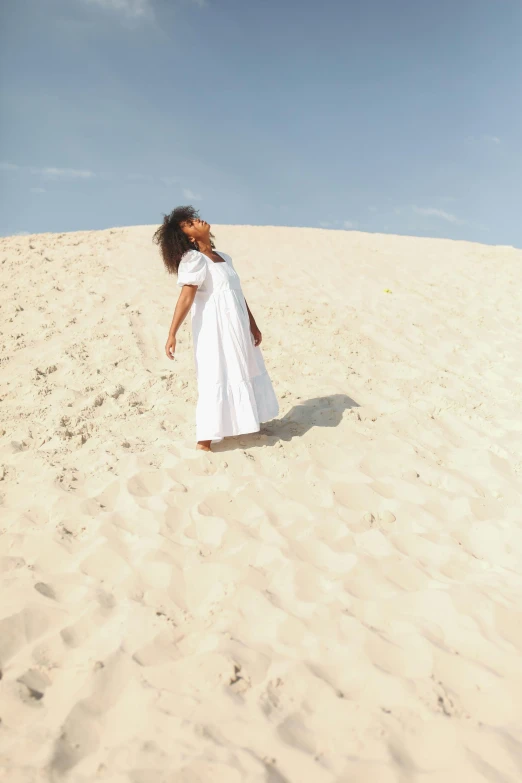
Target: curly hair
point(173, 242)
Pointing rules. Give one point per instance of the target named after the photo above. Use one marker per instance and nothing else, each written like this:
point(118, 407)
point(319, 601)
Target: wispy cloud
point(132, 9)
point(346, 224)
point(189, 194)
point(169, 181)
point(49, 171)
point(54, 173)
point(485, 139)
point(61, 174)
point(438, 213)
point(139, 177)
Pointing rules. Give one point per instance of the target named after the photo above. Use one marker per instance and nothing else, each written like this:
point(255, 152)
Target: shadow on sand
point(317, 412)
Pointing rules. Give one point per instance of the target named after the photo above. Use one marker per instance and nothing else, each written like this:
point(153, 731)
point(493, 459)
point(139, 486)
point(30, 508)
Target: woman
point(235, 393)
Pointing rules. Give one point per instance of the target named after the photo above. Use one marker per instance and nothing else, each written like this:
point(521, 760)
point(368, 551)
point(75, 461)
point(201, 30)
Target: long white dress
point(235, 393)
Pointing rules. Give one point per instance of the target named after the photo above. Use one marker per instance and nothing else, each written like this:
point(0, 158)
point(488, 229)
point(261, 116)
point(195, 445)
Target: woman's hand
point(256, 335)
point(170, 347)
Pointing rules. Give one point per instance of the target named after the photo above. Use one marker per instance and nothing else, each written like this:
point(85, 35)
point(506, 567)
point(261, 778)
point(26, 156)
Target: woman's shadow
point(317, 412)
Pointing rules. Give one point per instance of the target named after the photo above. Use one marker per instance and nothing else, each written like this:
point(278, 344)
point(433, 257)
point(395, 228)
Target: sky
point(389, 116)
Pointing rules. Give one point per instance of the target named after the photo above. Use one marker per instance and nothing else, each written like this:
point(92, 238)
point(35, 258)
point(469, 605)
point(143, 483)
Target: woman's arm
point(254, 327)
point(250, 316)
point(183, 305)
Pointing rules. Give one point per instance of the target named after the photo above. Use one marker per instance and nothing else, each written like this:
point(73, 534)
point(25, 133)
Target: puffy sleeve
point(192, 269)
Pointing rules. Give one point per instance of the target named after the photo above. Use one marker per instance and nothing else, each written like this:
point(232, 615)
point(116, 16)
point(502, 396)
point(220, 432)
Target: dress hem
point(252, 399)
point(218, 439)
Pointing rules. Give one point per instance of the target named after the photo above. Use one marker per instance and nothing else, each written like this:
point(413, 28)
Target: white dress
point(235, 393)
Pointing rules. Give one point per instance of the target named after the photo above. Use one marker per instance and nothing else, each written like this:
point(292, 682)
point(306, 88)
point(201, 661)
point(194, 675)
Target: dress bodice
point(220, 275)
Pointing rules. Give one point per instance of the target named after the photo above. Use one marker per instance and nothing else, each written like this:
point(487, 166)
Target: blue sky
point(394, 116)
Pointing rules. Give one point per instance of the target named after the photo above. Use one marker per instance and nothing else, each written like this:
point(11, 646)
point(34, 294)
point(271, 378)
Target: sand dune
point(337, 598)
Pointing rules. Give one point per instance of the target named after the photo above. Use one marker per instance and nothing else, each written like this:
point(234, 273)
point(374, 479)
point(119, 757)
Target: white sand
point(337, 598)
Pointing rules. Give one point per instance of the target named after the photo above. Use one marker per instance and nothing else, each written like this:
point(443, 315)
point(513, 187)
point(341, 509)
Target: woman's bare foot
point(204, 445)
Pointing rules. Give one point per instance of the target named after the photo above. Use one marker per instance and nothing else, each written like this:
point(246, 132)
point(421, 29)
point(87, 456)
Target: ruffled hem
point(235, 409)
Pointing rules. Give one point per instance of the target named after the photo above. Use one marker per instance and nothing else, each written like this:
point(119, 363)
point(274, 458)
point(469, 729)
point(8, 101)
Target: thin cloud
point(49, 171)
point(169, 181)
point(140, 177)
point(485, 139)
point(57, 173)
point(64, 173)
point(132, 9)
point(438, 213)
point(347, 224)
point(189, 194)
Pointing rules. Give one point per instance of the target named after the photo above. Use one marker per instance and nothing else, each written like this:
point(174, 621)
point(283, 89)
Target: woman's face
point(196, 230)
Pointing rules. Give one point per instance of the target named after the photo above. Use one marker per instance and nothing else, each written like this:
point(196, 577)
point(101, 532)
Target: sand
point(337, 598)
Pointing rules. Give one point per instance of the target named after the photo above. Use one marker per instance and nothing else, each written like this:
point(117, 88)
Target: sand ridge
point(335, 598)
